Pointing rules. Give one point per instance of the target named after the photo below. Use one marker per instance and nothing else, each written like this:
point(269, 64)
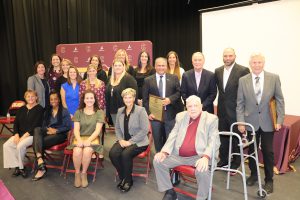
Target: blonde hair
point(128, 91)
point(97, 81)
point(113, 80)
point(66, 61)
point(31, 92)
point(126, 62)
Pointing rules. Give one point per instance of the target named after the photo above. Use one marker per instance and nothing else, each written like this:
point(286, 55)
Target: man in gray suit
point(227, 79)
point(191, 142)
point(254, 94)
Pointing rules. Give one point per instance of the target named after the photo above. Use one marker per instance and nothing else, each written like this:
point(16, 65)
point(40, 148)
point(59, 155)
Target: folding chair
point(96, 162)
point(8, 121)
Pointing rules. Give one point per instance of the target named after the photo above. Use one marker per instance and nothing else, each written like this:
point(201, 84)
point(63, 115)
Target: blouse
point(72, 96)
point(53, 76)
point(53, 122)
point(100, 92)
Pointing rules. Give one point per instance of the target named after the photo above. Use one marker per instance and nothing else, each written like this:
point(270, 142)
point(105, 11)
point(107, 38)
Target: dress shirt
point(226, 75)
point(261, 82)
point(198, 78)
point(164, 83)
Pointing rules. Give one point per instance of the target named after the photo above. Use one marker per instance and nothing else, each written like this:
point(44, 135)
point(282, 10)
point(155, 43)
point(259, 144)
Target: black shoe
point(23, 173)
point(235, 167)
point(251, 180)
point(170, 195)
point(41, 167)
point(126, 186)
point(268, 187)
point(222, 164)
point(120, 184)
point(175, 179)
point(16, 172)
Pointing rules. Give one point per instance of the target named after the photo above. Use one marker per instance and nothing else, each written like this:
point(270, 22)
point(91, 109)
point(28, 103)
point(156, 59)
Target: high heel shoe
point(23, 172)
point(41, 167)
point(16, 172)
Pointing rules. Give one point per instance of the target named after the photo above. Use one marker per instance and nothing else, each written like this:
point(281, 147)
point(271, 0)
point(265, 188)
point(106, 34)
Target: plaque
point(156, 107)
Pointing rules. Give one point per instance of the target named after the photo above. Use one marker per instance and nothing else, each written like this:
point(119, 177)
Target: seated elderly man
point(190, 143)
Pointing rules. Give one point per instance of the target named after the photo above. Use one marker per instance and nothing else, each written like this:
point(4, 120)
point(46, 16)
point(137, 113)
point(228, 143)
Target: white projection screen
point(270, 28)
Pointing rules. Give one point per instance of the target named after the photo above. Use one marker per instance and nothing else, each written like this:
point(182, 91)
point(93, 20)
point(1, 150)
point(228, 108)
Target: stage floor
point(55, 187)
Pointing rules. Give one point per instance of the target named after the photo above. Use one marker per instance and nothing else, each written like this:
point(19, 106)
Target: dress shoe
point(41, 168)
point(121, 183)
point(77, 180)
point(23, 173)
point(126, 186)
point(16, 172)
point(268, 187)
point(222, 164)
point(251, 180)
point(235, 167)
point(170, 195)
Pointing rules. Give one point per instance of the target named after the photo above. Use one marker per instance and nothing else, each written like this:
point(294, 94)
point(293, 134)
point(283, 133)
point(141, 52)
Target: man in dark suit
point(227, 78)
point(254, 94)
point(199, 82)
point(167, 87)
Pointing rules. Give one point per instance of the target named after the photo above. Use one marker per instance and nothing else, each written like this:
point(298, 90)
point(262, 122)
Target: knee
point(77, 152)
point(87, 151)
point(37, 131)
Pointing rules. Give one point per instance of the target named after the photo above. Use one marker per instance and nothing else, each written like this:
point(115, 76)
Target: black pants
point(122, 159)
point(42, 141)
point(224, 125)
point(266, 139)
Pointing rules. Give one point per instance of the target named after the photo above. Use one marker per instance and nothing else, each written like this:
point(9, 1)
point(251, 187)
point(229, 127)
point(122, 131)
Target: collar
point(229, 68)
point(158, 75)
point(261, 75)
point(132, 110)
point(197, 118)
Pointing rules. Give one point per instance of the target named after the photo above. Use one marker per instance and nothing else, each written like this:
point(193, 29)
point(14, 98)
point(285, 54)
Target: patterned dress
point(100, 92)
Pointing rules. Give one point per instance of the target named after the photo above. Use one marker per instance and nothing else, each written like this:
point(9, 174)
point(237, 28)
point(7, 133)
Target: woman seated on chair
point(131, 129)
point(28, 117)
point(88, 122)
point(55, 128)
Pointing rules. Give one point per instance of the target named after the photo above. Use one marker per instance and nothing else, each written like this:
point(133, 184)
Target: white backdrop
point(271, 28)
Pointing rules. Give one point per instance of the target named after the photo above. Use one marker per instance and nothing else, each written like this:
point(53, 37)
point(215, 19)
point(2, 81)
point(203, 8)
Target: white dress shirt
point(226, 75)
point(261, 82)
point(164, 83)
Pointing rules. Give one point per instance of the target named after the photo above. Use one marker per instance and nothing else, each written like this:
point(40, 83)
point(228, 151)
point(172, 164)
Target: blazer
point(227, 98)
point(172, 91)
point(138, 125)
point(207, 136)
point(248, 110)
point(207, 90)
point(34, 83)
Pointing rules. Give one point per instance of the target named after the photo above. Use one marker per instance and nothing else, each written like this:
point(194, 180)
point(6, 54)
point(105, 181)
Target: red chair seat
point(5, 120)
point(186, 169)
point(143, 154)
point(59, 147)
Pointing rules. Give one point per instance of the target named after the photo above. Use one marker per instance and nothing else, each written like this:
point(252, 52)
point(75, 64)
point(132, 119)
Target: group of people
point(180, 137)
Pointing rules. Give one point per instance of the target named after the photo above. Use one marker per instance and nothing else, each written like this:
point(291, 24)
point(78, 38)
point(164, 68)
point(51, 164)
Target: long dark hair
point(48, 112)
point(82, 104)
point(148, 66)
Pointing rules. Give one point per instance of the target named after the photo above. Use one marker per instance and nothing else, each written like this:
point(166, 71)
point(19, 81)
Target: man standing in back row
point(227, 79)
point(254, 94)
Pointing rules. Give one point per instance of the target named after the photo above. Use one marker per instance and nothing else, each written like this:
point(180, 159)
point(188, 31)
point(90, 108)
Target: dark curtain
point(31, 29)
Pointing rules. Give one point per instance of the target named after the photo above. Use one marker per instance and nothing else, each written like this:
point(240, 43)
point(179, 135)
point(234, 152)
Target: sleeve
point(143, 127)
point(131, 83)
point(212, 93)
point(17, 121)
point(66, 122)
point(280, 108)
point(146, 89)
point(102, 76)
point(107, 99)
point(170, 143)
point(77, 115)
point(176, 95)
point(240, 103)
point(102, 102)
point(118, 131)
point(30, 83)
point(100, 116)
point(81, 88)
point(213, 138)
point(36, 119)
point(183, 87)
point(85, 76)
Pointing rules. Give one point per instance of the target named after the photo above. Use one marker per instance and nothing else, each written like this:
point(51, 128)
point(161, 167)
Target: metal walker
point(243, 143)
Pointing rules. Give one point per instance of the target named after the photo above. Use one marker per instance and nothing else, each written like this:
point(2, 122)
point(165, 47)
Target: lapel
point(265, 86)
point(249, 85)
point(168, 82)
point(154, 85)
point(221, 74)
point(202, 82)
point(184, 127)
point(231, 76)
point(193, 80)
point(201, 129)
point(39, 80)
point(121, 121)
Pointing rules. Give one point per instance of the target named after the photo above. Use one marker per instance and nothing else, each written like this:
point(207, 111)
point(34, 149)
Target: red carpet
point(4, 193)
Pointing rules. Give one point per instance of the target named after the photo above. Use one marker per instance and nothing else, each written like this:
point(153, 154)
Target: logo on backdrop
point(75, 59)
point(75, 50)
point(115, 47)
point(101, 48)
point(63, 50)
point(143, 47)
point(129, 48)
point(88, 49)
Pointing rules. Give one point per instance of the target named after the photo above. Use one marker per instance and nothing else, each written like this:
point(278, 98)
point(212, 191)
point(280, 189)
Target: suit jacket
point(248, 110)
point(138, 125)
point(206, 136)
point(227, 98)
point(207, 90)
point(34, 83)
point(172, 91)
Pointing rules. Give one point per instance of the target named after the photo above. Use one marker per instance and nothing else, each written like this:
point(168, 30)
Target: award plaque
point(273, 113)
point(156, 107)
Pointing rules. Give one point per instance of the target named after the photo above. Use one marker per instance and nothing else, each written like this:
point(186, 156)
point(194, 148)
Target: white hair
point(257, 54)
point(193, 99)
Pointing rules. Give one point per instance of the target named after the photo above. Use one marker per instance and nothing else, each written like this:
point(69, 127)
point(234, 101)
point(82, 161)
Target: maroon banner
point(80, 53)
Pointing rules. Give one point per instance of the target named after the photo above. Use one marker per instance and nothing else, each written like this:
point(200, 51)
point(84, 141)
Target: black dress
point(139, 77)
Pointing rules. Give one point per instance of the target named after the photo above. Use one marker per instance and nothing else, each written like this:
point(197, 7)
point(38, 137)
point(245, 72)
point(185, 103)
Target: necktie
point(160, 86)
point(257, 89)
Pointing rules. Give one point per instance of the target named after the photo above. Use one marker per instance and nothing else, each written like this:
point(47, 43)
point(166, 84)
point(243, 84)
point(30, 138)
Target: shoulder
point(181, 70)
point(189, 72)
point(38, 107)
point(207, 72)
point(181, 115)
point(218, 69)
point(246, 77)
point(120, 110)
point(100, 112)
point(208, 117)
point(149, 78)
point(65, 111)
point(139, 108)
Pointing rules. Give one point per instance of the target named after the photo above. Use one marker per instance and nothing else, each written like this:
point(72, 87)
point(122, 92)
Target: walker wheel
point(264, 194)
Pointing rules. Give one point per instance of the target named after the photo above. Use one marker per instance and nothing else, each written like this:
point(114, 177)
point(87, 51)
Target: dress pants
point(266, 140)
point(122, 159)
point(13, 155)
point(163, 174)
point(160, 132)
point(224, 125)
point(42, 141)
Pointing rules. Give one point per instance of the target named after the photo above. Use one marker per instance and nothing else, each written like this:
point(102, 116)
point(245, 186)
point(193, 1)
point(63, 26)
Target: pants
point(122, 159)
point(266, 139)
point(13, 155)
point(224, 125)
point(42, 141)
point(163, 175)
point(113, 118)
point(160, 132)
